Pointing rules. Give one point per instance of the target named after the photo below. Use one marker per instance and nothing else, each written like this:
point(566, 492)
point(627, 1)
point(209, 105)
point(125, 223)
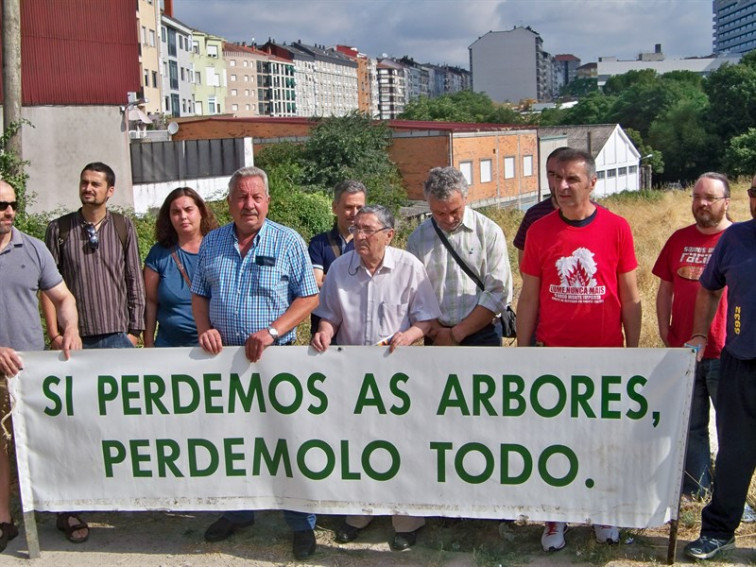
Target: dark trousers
point(697, 479)
point(490, 335)
point(736, 460)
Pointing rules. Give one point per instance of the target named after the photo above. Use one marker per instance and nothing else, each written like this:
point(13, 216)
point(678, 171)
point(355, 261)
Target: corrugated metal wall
point(157, 162)
point(78, 51)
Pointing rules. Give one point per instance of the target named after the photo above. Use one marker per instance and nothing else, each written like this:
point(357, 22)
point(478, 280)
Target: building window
point(152, 38)
point(144, 35)
point(527, 166)
point(163, 34)
point(212, 51)
point(173, 74)
point(246, 92)
point(198, 107)
point(633, 169)
point(154, 79)
point(234, 107)
point(211, 105)
point(172, 43)
point(509, 167)
point(485, 171)
point(232, 63)
point(195, 47)
point(233, 78)
point(233, 92)
point(246, 107)
point(183, 76)
point(600, 175)
point(181, 42)
point(611, 173)
point(146, 78)
point(197, 78)
point(622, 171)
point(466, 168)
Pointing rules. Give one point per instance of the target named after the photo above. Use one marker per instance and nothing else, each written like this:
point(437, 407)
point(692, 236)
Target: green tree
point(462, 106)
point(732, 99)
point(740, 155)
point(596, 108)
point(353, 147)
point(617, 84)
point(579, 88)
point(680, 133)
point(656, 159)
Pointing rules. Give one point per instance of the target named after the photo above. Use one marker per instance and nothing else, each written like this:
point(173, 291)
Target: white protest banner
point(552, 434)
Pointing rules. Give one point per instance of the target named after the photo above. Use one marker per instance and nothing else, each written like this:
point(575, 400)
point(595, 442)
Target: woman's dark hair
point(165, 234)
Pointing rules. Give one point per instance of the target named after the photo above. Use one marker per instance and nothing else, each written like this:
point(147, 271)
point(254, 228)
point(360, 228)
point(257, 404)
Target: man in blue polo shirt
point(252, 286)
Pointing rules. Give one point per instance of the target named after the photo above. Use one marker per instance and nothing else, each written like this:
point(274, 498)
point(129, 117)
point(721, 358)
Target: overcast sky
point(440, 31)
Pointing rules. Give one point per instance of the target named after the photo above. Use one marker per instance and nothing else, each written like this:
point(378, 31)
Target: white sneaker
point(553, 536)
point(606, 534)
point(749, 514)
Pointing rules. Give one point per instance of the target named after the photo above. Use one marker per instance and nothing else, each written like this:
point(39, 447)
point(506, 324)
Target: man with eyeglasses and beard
point(26, 268)
point(97, 254)
point(680, 264)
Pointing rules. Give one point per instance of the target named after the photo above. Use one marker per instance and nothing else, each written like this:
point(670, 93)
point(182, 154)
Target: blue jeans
point(697, 476)
point(110, 340)
point(298, 521)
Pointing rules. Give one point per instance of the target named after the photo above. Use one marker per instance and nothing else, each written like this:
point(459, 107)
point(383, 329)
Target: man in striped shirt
point(97, 254)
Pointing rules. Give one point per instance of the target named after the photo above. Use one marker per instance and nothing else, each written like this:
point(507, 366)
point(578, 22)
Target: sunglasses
point(751, 193)
point(5, 204)
point(92, 239)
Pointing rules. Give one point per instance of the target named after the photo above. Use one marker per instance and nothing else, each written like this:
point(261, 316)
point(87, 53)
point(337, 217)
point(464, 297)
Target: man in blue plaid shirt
point(253, 285)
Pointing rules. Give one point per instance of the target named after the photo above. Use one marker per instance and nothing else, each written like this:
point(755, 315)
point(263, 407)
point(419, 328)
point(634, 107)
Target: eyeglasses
point(751, 192)
point(707, 198)
point(5, 204)
point(354, 230)
point(93, 240)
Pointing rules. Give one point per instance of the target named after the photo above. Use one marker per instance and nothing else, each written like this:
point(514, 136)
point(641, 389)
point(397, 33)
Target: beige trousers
point(402, 524)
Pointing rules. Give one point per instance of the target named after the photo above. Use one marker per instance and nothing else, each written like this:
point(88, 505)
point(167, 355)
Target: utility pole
point(12, 71)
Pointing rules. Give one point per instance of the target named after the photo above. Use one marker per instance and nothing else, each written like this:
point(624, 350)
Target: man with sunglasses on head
point(97, 253)
point(26, 268)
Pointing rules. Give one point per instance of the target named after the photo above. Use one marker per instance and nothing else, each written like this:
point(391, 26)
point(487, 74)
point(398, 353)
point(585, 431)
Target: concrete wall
point(64, 139)
point(504, 65)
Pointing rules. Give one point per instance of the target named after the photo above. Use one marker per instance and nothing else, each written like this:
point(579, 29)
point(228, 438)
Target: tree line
point(689, 123)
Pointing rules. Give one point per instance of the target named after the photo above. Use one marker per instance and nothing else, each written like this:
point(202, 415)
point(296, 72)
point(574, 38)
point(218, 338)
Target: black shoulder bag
point(508, 317)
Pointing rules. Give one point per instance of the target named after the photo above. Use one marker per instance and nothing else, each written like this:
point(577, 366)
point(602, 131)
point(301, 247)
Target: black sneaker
point(304, 544)
point(404, 540)
point(223, 528)
point(707, 547)
point(346, 533)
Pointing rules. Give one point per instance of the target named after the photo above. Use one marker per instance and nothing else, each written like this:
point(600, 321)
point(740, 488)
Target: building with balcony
point(367, 80)
point(210, 85)
point(148, 29)
point(392, 88)
point(241, 73)
point(176, 67)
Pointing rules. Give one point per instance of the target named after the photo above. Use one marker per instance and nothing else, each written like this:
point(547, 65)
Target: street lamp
point(645, 172)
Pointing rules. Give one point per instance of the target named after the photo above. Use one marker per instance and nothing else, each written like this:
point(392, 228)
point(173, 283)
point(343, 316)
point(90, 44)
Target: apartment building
point(367, 80)
point(734, 26)
point(392, 88)
point(176, 67)
point(566, 66)
point(209, 74)
point(241, 73)
point(511, 66)
point(148, 28)
point(276, 87)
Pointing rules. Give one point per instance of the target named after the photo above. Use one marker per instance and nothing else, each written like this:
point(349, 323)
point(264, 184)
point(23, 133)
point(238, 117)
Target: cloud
point(440, 31)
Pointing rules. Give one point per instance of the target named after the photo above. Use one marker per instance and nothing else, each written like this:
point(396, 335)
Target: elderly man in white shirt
point(376, 294)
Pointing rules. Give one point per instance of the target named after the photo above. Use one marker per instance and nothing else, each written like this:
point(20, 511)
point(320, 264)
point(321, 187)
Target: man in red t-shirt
point(680, 264)
point(579, 285)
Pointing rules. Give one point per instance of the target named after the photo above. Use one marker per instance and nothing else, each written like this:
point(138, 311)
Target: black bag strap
point(334, 245)
point(460, 262)
point(66, 223)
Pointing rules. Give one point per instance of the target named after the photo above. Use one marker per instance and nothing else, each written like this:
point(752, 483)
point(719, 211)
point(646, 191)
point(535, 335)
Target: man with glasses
point(732, 264)
point(253, 285)
point(26, 267)
point(467, 311)
point(680, 264)
point(97, 253)
point(375, 295)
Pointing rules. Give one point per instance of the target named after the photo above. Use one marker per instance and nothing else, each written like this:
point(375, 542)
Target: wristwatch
point(273, 333)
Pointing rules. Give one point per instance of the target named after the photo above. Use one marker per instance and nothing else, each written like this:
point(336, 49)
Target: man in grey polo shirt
point(26, 267)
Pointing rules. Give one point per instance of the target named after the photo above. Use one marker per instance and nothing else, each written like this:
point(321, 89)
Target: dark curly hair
point(165, 234)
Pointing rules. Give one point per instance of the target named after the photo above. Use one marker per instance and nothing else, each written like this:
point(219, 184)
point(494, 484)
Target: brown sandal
point(9, 532)
point(63, 523)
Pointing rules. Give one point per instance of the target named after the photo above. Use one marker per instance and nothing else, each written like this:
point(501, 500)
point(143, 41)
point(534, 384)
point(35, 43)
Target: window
point(195, 47)
point(246, 92)
point(600, 175)
point(163, 34)
point(233, 78)
point(173, 73)
point(466, 168)
point(197, 78)
point(198, 107)
point(152, 38)
point(144, 35)
point(234, 107)
point(175, 107)
point(211, 105)
point(246, 107)
point(212, 51)
point(165, 68)
point(154, 79)
point(611, 173)
point(527, 166)
point(485, 171)
point(232, 63)
point(622, 171)
point(233, 92)
point(172, 42)
point(183, 76)
point(509, 167)
point(181, 42)
point(633, 169)
point(146, 78)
